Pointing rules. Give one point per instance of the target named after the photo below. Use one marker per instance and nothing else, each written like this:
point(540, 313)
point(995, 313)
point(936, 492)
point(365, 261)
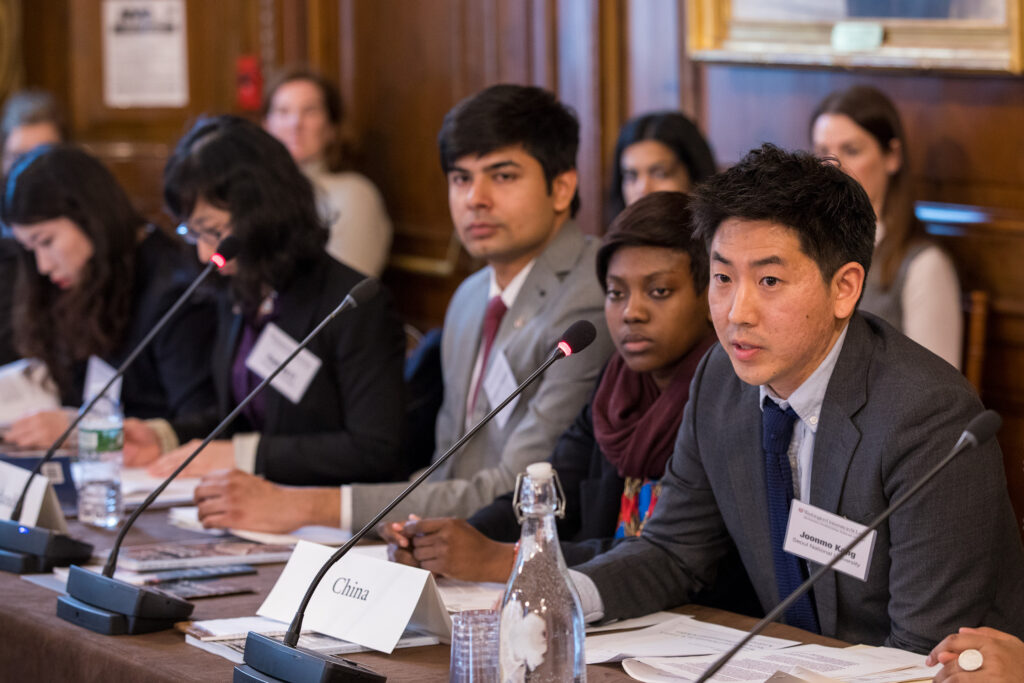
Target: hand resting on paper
point(238, 500)
point(1003, 656)
point(37, 430)
point(141, 445)
point(448, 547)
point(217, 455)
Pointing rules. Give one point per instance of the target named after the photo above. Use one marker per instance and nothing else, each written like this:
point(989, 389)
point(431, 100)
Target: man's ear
point(563, 189)
point(847, 285)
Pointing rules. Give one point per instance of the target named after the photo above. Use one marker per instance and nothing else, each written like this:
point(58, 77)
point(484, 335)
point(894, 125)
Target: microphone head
point(364, 290)
point(984, 426)
point(226, 250)
point(578, 337)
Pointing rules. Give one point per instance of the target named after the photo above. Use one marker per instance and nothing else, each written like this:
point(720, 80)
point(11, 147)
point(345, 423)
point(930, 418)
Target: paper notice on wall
point(145, 61)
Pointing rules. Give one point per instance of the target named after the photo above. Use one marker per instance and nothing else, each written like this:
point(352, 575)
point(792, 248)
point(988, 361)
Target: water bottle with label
point(98, 468)
point(542, 631)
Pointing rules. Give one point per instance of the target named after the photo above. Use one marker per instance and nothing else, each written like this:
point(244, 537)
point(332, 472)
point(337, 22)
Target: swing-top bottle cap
point(539, 471)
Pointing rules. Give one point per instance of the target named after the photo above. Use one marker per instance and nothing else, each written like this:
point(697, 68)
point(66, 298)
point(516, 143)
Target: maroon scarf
point(635, 425)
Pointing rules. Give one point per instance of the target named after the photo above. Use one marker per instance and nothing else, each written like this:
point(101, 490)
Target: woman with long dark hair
point(93, 279)
point(660, 151)
point(912, 283)
point(340, 419)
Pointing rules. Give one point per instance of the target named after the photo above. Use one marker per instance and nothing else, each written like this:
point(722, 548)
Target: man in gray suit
point(509, 155)
point(808, 399)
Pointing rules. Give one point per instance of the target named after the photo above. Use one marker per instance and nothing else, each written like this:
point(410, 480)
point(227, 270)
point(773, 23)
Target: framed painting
point(955, 35)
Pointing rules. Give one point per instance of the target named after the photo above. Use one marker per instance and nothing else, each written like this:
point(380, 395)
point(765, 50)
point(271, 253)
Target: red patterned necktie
point(492, 320)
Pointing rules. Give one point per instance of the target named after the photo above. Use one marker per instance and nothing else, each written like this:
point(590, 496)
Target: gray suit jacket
point(559, 290)
point(950, 557)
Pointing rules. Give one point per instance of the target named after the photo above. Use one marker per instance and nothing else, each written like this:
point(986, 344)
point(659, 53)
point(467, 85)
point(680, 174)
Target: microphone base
point(267, 659)
point(113, 607)
point(29, 550)
point(104, 621)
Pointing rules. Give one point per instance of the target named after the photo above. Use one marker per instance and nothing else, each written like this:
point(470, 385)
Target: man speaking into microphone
point(808, 399)
point(509, 156)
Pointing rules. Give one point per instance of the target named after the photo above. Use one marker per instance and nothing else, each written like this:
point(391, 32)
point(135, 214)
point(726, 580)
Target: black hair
point(505, 115)
point(63, 327)
point(675, 131)
point(829, 210)
point(661, 219)
point(236, 166)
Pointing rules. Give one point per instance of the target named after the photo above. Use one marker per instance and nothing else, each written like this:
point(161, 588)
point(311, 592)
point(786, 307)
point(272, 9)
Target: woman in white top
point(303, 110)
point(912, 283)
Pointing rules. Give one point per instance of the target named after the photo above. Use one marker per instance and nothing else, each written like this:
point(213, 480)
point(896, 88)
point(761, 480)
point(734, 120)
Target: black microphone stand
point(101, 603)
point(266, 659)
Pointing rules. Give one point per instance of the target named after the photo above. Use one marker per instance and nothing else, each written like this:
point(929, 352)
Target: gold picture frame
point(717, 34)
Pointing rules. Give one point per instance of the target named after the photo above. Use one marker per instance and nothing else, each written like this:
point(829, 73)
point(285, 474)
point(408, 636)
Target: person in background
point(341, 420)
point(93, 279)
point(1001, 657)
point(303, 110)
point(913, 284)
point(660, 151)
point(30, 118)
point(509, 156)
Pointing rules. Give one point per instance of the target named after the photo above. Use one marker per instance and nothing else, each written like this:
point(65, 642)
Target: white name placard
point(818, 535)
point(40, 508)
point(270, 350)
point(361, 599)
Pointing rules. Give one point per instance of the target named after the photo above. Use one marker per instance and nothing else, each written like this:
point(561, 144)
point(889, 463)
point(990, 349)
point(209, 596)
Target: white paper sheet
point(682, 635)
point(755, 666)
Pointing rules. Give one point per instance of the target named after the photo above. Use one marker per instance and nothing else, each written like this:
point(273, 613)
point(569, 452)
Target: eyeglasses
point(210, 236)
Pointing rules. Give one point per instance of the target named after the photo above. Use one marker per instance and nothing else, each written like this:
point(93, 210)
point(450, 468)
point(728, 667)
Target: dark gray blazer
point(950, 557)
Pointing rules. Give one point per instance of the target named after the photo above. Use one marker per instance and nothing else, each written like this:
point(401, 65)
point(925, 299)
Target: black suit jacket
point(348, 425)
point(171, 378)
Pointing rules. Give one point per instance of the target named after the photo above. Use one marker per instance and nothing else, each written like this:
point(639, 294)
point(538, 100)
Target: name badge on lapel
point(817, 535)
point(270, 350)
point(499, 383)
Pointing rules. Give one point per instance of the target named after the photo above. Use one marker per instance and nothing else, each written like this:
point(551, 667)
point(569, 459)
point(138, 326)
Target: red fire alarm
point(249, 83)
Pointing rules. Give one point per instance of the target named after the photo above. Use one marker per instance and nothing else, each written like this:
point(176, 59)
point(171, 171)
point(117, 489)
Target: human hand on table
point(238, 500)
point(217, 455)
point(38, 430)
point(1002, 655)
point(449, 547)
point(141, 446)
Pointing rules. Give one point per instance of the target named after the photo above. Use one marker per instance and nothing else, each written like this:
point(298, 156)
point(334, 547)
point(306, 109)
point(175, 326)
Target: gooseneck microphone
point(101, 603)
point(979, 430)
point(267, 659)
point(24, 548)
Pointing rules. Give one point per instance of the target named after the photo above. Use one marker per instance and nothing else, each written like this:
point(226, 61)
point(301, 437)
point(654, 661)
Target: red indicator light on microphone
point(564, 347)
point(218, 260)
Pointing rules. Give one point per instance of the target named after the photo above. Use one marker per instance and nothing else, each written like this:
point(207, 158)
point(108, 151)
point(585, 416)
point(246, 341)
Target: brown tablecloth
point(35, 645)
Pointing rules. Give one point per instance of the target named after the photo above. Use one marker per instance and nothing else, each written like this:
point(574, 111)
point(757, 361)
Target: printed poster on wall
point(145, 62)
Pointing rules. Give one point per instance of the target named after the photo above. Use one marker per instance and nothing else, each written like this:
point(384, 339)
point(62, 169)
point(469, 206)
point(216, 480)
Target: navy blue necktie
point(776, 433)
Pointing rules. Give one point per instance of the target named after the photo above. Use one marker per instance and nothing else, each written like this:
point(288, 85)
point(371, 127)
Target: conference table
point(35, 645)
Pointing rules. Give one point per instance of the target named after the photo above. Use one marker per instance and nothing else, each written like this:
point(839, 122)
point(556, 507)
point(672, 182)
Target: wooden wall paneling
point(652, 32)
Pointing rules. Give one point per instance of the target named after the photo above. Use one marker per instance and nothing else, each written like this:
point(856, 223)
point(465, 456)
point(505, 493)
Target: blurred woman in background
point(93, 279)
point(303, 110)
point(912, 283)
point(339, 420)
point(660, 151)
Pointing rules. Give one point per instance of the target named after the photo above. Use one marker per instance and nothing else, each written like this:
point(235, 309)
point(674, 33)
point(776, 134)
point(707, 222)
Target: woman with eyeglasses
point(93, 279)
point(336, 414)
